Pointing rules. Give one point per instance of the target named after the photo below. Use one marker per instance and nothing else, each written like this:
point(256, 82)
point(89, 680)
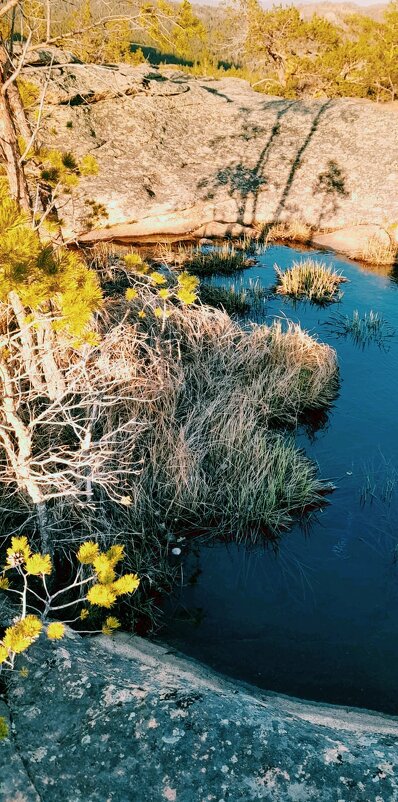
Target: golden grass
point(309, 279)
point(288, 231)
point(378, 253)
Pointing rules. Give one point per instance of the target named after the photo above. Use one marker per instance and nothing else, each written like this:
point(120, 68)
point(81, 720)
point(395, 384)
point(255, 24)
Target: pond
point(317, 617)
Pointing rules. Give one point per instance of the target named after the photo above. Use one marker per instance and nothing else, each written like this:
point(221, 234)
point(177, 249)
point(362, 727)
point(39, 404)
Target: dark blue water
point(319, 618)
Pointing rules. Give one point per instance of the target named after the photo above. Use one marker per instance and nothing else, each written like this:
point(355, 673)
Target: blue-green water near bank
point(318, 617)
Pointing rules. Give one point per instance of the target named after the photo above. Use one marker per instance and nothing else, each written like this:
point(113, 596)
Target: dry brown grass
point(378, 252)
point(309, 279)
point(288, 231)
point(209, 399)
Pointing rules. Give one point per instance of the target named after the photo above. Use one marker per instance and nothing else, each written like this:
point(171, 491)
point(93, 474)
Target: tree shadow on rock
point(245, 183)
point(331, 186)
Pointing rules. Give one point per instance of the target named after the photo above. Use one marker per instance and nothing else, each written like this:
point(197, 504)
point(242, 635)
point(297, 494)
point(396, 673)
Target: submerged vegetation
point(309, 279)
point(363, 329)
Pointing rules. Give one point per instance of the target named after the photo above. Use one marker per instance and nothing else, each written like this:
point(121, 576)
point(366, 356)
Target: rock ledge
point(125, 720)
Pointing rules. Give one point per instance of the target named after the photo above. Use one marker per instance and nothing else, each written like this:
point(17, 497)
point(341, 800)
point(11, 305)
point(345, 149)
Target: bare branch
point(8, 7)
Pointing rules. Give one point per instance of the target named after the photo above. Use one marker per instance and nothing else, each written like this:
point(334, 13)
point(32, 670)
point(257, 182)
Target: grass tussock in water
point(210, 405)
point(363, 329)
point(220, 260)
point(234, 300)
point(309, 279)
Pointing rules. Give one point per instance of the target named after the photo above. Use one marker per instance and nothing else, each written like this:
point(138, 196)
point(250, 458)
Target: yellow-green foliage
point(282, 53)
point(40, 274)
point(29, 93)
point(109, 42)
point(88, 165)
point(4, 730)
point(176, 29)
point(278, 50)
point(100, 577)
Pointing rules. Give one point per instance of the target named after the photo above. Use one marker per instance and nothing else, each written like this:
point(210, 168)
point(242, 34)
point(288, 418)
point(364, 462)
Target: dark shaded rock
point(99, 720)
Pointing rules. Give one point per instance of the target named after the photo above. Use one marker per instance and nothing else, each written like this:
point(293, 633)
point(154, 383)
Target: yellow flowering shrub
point(181, 287)
point(104, 569)
point(157, 278)
point(55, 630)
point(3, 654)
point(101, 595)
point(22, 634)
point(19, 551)
point(127, 583)
point(115, 554)
point(111, 623)
point(88, 552)
point(96, 571)
point(38, 564)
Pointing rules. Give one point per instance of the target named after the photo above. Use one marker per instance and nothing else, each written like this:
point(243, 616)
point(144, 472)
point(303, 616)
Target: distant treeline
point(277, 50)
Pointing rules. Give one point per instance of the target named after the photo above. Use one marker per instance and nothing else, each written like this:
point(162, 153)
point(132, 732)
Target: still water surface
point(319, 618)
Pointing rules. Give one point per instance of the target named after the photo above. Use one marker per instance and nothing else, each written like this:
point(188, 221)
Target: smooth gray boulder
point(182, 156)
point(123, 720)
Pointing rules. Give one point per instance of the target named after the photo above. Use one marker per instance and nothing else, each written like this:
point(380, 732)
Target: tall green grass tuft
point(235, 299)
point(309, 279)
point(224, 260)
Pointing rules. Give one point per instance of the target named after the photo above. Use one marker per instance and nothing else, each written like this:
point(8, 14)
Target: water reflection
point(316, 617)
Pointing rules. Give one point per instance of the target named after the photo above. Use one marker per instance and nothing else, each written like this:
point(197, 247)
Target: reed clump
point(309, 279)
point(211, 402)
point(235, 298)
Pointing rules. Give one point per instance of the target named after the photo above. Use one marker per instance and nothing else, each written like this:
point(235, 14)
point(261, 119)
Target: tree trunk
point(9, 139)
point(18, 112)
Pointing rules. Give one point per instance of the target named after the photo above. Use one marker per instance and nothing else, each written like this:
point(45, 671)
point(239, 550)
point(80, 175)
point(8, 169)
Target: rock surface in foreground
point(100, 720)
point(182, 156)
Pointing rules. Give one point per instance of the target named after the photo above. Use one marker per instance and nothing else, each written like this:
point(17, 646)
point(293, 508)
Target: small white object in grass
point(176, 551)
